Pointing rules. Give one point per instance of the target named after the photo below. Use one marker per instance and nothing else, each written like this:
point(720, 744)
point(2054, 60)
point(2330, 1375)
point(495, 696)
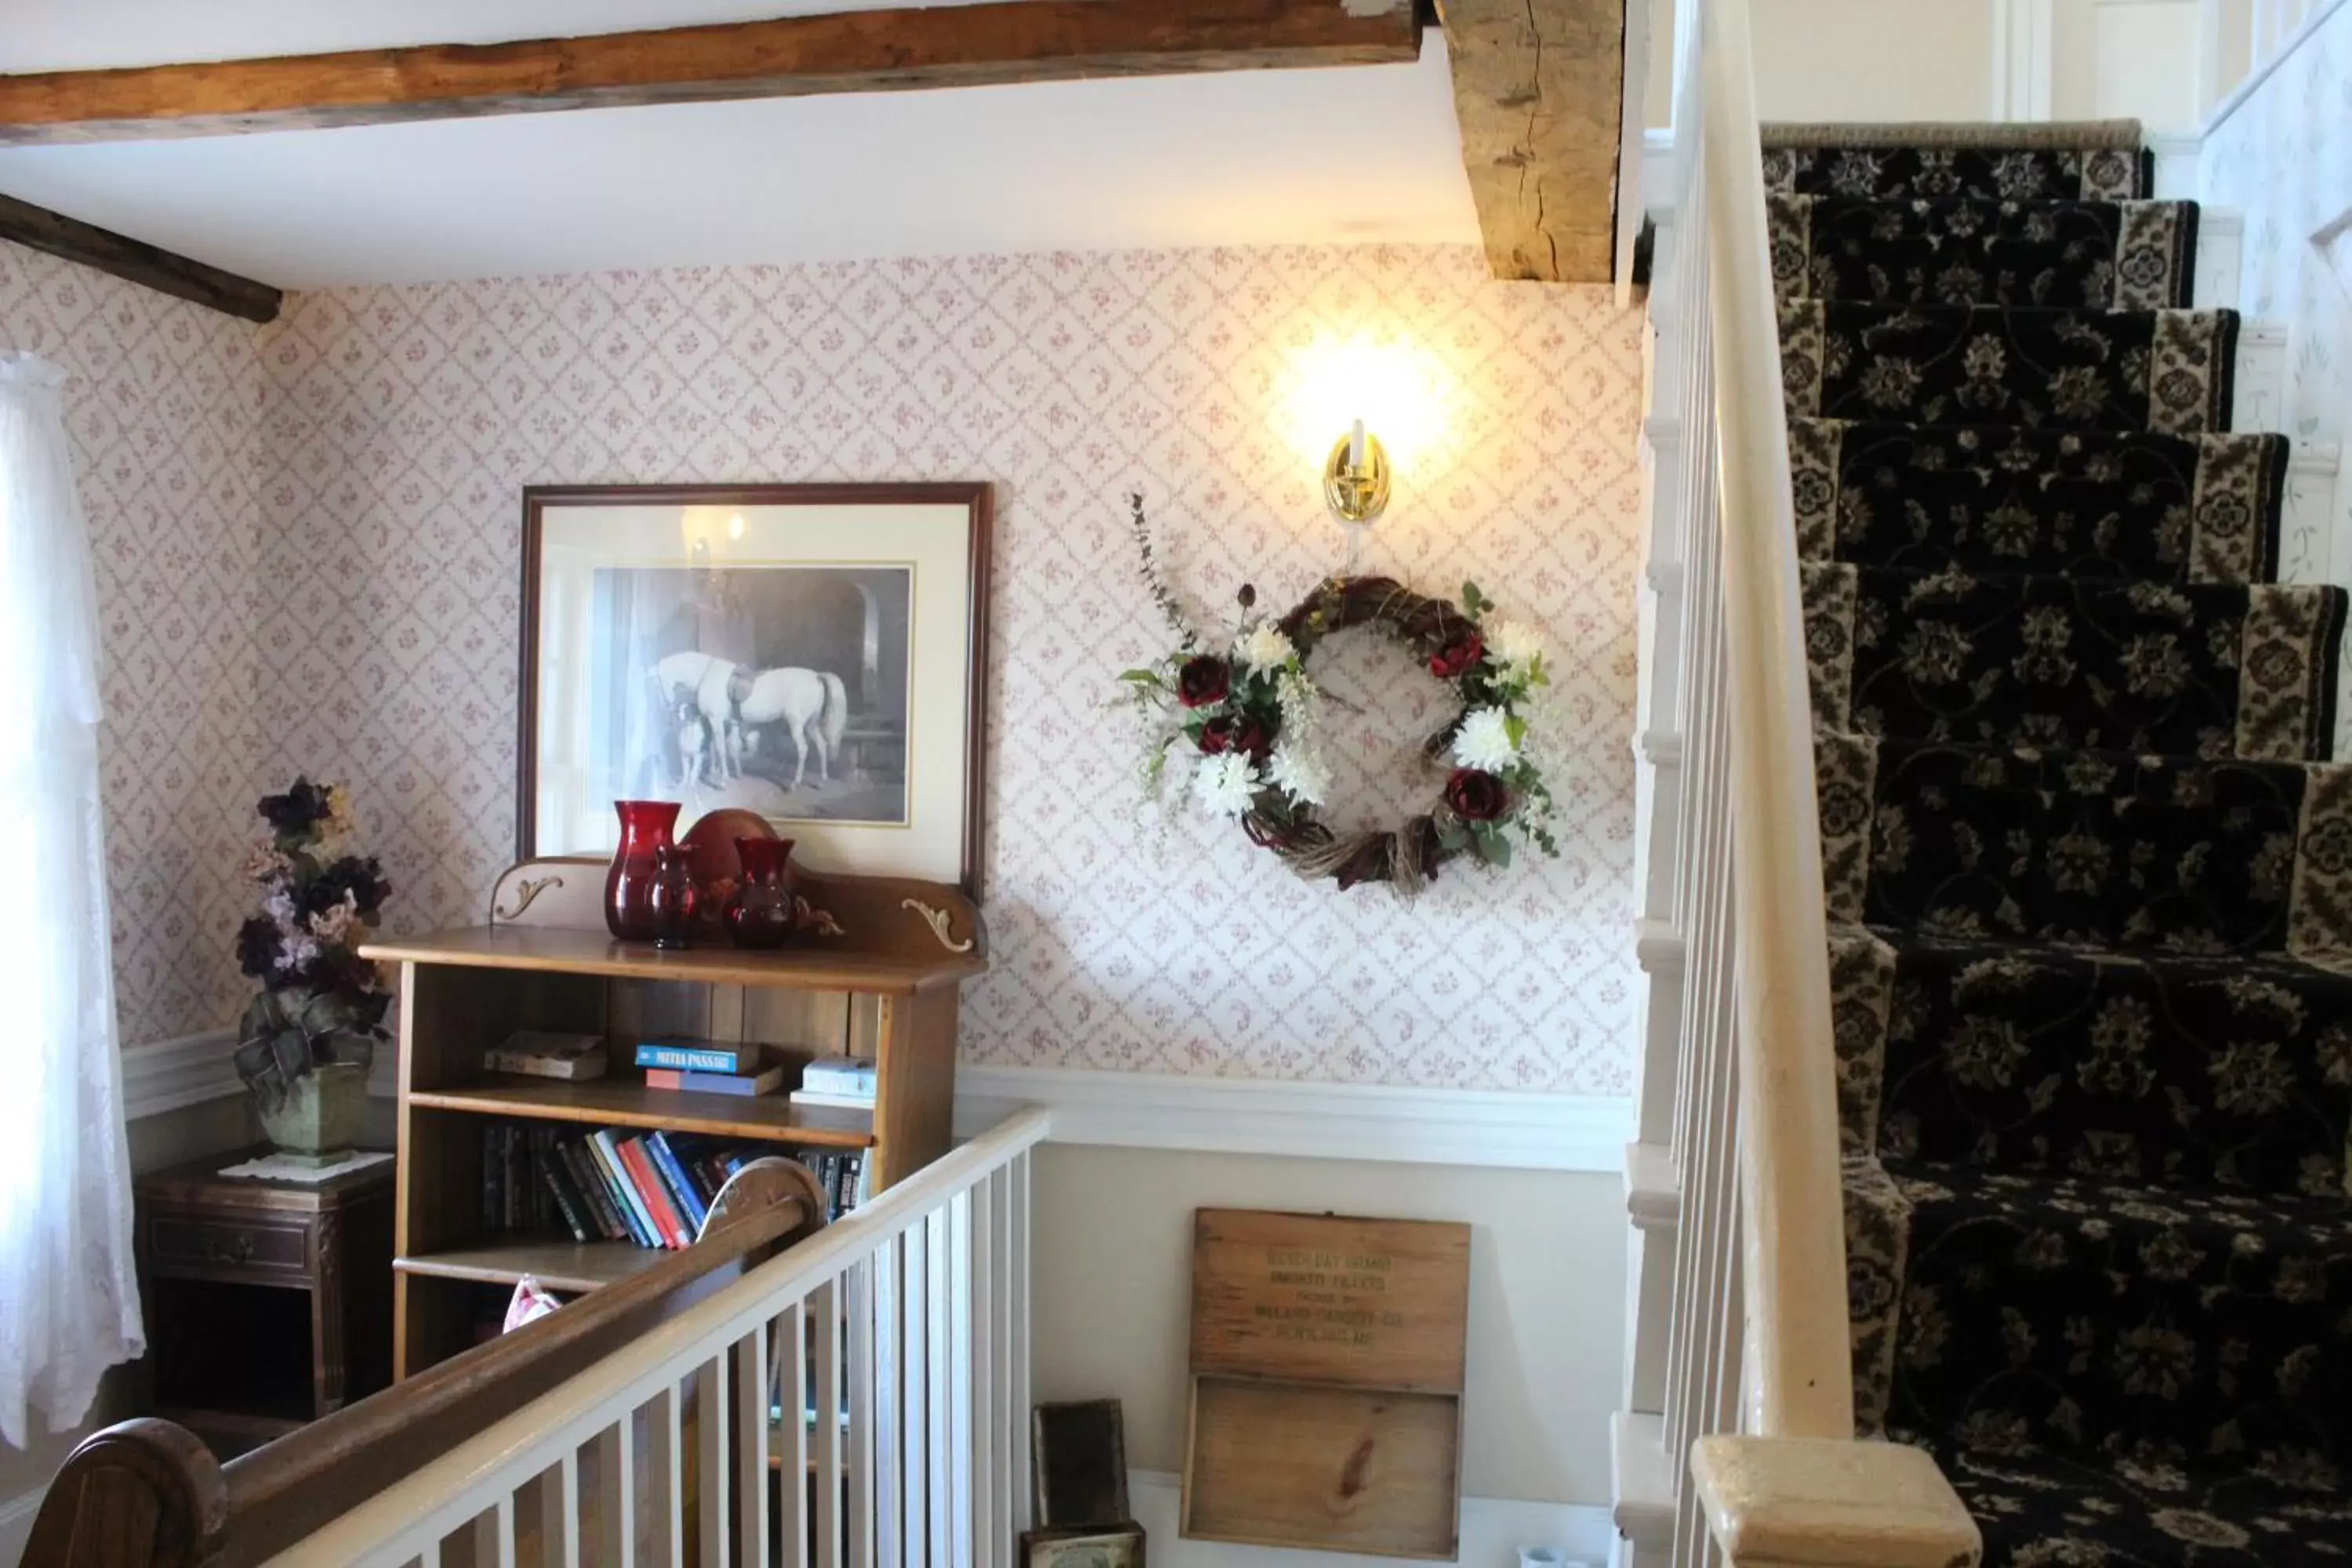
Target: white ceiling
point(1352, 154)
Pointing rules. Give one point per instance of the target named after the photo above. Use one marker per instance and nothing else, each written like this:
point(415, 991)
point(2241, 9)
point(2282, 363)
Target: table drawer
point(183, 1241)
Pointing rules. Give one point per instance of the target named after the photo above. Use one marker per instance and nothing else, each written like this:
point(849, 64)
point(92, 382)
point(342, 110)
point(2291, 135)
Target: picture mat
point(931, 539)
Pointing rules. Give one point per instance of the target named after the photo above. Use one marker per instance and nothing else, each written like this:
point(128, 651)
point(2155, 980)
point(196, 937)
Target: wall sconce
point(1356, 478)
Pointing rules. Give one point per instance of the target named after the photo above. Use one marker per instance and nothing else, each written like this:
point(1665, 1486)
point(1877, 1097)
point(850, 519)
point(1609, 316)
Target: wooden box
point(1327, 1375)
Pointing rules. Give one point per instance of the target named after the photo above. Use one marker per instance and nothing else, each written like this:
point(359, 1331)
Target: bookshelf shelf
point(625, 1101)
point(887, 991)
point(503, 1258)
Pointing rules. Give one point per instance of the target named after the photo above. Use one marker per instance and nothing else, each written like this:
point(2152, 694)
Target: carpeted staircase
point(2089, 873)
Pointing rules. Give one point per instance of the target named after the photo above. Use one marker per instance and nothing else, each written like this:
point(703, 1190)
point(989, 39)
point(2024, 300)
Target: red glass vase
point(646, 827)
point(763, 913)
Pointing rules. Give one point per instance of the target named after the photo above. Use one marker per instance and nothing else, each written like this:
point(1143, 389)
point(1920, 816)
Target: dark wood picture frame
point(978, 498)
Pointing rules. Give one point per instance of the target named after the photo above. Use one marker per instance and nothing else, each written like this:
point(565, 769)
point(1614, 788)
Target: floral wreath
point(1251, 721)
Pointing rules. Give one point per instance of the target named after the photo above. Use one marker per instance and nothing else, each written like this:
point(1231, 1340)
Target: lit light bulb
point(735, 526)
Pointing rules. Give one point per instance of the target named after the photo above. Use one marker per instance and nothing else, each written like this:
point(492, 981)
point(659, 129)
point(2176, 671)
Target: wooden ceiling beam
point(165, 271)
point(849, 51)
point(1539, 87)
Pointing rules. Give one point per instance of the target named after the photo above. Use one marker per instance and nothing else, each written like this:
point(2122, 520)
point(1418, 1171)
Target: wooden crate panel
point(1378, 1303)
point(1345, 1469)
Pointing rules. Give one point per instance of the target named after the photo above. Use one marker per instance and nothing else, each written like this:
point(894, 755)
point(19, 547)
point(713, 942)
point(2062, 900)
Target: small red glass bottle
point(672, 898)
point(763, 913)
point(646, 827)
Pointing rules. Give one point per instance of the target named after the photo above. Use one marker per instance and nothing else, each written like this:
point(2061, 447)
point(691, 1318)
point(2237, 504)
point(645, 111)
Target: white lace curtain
point(68, 1298)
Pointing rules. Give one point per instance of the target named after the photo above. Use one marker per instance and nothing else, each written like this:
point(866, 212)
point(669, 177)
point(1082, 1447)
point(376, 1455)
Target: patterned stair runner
point(2088, 868)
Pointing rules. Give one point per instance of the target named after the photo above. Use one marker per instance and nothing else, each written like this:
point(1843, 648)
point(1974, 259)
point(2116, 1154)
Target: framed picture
point(813, 653)
point(1104, 1546)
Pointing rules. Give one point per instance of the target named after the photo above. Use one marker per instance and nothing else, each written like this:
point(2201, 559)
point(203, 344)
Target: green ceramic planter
point(322, 1114)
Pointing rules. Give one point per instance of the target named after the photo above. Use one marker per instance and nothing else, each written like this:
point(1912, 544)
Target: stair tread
point(2170, 371)
point(2093, 254)
point(2056, 844)
point(2150, 1504)
point(2082, 1057)
point(2214, 668)
point(2101, 503)
point(2068, 1308)
point(1856, 160)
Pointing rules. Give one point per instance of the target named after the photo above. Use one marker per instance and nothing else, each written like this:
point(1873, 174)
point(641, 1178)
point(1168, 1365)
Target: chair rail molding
point(1316, 1120)
point(172, 1075)
point(1139, 1110)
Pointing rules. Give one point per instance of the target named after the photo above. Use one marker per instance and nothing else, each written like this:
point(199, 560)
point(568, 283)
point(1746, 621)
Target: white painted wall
point(1112, 1244)
point(1975, 59)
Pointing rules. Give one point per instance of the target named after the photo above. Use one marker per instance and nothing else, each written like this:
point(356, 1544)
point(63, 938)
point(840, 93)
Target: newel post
point(142, 1494)
point(1810, 1502)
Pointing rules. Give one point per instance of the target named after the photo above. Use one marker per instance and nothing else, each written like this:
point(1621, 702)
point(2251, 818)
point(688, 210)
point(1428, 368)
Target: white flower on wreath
point(1515, 647)
point(1265, 648)
point(1225, 785)
point(1299, 774)
point(1483, 741)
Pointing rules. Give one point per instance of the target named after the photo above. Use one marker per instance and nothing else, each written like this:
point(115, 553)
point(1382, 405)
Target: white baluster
point(986, 1523)
point(887, 1457)
point(862, 1405)
point(940, 1378)
point(957, 1377)
point(1018, 1315)
point(913, 1446)
point(566, 1509)
point(821, 1451)
point(755, 1385)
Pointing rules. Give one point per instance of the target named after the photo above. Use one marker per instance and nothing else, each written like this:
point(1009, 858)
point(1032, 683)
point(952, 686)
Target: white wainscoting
point(1138, 1110)
point(1493, 1530)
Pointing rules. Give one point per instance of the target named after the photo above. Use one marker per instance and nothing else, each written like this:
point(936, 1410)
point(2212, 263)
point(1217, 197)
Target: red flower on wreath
point(1476, 796)
point(1203, 680)
point(1458, 657)
point(1224, 734)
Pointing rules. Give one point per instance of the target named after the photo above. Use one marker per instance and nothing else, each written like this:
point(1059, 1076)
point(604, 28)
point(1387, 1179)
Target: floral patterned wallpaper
point(346, 561)
point(164, 406)
point(2283, 161)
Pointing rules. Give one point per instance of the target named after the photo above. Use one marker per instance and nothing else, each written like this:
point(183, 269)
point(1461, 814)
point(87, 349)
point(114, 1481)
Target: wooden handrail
point(1792, 1244)
point(147, 1494)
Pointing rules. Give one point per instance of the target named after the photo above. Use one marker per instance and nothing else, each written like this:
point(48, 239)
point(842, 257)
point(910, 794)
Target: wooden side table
point(269, 1303)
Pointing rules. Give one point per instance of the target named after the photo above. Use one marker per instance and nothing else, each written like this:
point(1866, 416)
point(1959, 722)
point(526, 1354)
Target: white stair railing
point(878, 1371)
point(1758, 1392)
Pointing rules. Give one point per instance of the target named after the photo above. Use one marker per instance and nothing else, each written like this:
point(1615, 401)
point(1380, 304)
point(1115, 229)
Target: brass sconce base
point(1356, 495)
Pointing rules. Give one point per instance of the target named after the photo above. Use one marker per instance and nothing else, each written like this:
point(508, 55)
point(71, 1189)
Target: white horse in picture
point(811, 705)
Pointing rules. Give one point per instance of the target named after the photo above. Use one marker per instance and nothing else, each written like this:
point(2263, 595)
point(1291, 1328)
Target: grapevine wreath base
point(1250, 721)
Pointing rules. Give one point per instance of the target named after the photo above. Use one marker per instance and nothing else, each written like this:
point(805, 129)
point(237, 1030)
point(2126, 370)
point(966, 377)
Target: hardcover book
point(684, 1053)
point(766, 1082)
point(545, 1054)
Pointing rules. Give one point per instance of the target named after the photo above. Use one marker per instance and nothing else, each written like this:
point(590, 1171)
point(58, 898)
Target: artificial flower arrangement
point(1247, 720)
point(320, 1002)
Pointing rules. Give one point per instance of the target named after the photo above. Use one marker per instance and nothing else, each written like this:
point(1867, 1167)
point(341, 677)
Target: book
point(650, 1187)
point(766, 1082)
point(818, 1101)
point(839, 1075)
point(542, 1052)
point(681, 1188)
point(590, 1181)
point(685, 1054)
point(624, 1193)
point(573, 1209)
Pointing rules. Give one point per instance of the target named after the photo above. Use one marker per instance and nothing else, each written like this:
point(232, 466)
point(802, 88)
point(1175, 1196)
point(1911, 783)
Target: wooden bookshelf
point(887, 990)
point(501, 1258)
point(628, 1102)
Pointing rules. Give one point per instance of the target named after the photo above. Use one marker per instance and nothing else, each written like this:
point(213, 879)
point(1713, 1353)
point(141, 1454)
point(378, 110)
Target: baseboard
point(1141, 1111)
point(1321, 1120)
point(16, 1524)
point(1493, 1530)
